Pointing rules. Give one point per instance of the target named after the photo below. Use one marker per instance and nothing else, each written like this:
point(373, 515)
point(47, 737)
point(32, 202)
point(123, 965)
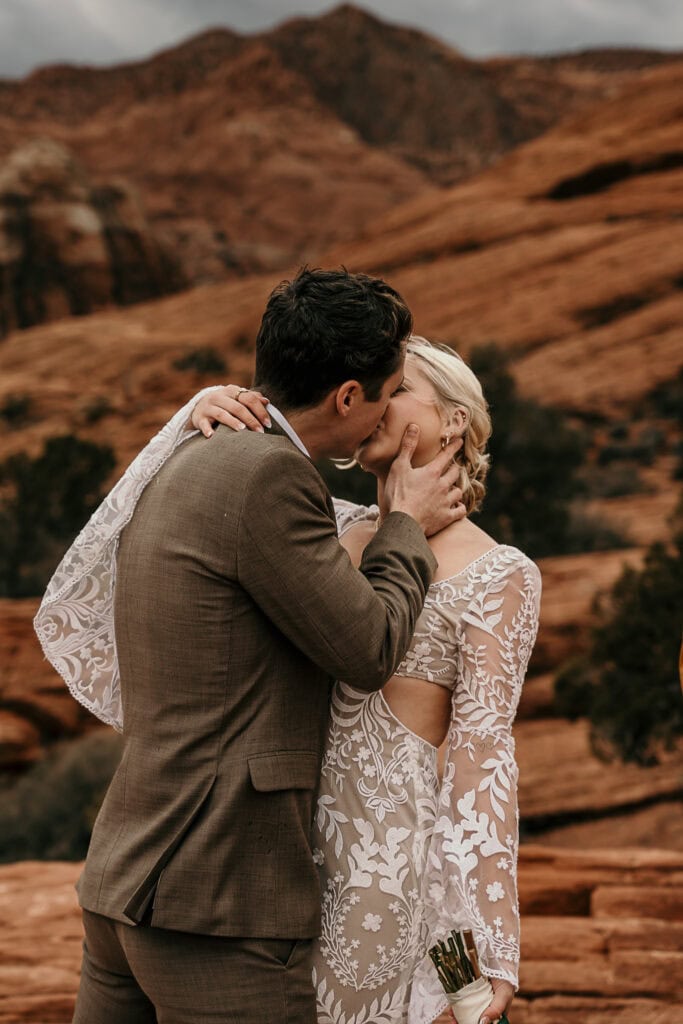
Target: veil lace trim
point(75, 620)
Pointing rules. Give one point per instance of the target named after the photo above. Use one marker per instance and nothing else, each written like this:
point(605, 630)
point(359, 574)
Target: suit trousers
point(145, 975)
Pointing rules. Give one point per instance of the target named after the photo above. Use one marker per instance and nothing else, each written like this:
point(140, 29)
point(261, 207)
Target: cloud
point(32, 32)
point(35, 32)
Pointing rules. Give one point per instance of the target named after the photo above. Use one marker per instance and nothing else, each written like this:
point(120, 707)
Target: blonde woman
point(405, 855)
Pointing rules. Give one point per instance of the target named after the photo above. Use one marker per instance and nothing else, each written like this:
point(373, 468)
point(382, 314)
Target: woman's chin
point(375, 458)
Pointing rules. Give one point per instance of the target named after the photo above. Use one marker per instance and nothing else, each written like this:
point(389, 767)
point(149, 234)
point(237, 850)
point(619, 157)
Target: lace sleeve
point(472, 873)
point(348, 514)
point(75, 621)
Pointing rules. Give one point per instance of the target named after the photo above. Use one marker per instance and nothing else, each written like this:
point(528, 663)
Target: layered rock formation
point(424, 101)
point(251, 152)
point(601, 939)
point(67, 247)
point(569, 253)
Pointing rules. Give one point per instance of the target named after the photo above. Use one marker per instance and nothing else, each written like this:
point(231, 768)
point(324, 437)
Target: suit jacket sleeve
point(354, 624)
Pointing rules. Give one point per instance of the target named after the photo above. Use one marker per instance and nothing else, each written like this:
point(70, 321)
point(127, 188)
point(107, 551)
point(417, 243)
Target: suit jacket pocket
point(289, 769)
point(138, 905)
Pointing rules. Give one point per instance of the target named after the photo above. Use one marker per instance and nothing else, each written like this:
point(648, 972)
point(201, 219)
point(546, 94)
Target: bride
point(408, 849)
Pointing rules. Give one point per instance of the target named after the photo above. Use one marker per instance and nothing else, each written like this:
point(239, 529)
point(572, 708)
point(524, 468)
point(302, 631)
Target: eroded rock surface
point(251, 152)
point(601, 939)
point(68, 247)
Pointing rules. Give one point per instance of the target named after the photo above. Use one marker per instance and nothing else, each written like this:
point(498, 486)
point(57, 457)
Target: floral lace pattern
point(376, 811)
point(474, 636)
point(75, 621)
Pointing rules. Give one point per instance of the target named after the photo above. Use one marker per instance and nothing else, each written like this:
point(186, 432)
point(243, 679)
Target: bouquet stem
point(457, 966)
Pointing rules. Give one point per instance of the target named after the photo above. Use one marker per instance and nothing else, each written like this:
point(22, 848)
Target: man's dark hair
point(326, 327)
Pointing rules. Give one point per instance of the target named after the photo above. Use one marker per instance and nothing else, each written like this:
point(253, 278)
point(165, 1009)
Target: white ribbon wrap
point(469, 1002)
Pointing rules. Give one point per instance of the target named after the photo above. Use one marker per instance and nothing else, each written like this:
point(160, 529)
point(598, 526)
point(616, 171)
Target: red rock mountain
point(568, 252)
point(250, 152)
point(66, 247)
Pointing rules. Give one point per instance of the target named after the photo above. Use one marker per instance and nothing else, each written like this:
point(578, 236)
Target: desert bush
point(627, 684)
point(202, 360)
point(643, 451)
point(678, 465)
point(652, 439)
point(666, 399)
point(586, 532)
point(15, 409)
point(49, 812)
point(96, 408)
point(44, 502)
point(536, 459)
point(243, 342)
point(614, 481)
point(619, 431)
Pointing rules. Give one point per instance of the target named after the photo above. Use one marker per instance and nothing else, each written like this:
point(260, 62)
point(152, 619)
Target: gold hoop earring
point(445, 441)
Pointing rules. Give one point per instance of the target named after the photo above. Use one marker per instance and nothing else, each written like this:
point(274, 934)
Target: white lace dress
point(403, 859)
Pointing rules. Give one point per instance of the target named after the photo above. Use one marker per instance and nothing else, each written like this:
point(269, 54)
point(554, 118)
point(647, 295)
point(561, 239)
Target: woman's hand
point(238, 408)
point(503, 994)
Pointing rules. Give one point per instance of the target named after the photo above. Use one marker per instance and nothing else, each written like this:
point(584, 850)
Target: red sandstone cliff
point(249, 152)
point(601, 939)
point(568, 252)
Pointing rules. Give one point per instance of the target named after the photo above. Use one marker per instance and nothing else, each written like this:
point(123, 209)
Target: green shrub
point(613, 481)
point(666, 399)
point(202, 360)
point(627, 685)
point(536, 458)
point(48, 814)
point(96, 408)
point(15, 409)
point(44, 502)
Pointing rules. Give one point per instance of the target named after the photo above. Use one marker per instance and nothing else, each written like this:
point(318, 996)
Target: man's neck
point(312, 428)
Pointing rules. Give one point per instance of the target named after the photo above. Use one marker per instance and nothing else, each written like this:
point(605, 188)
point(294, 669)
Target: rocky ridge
point(567, 254)
point(250, 152)
point(601, 938)
point(68, 247)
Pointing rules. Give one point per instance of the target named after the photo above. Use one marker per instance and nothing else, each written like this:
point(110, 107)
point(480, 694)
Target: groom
point(236, 607)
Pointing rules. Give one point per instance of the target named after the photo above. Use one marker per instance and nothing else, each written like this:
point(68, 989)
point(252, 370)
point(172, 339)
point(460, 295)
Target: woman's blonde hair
point(457, 387)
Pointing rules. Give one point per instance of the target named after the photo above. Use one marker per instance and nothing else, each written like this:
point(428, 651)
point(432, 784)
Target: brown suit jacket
point(236, 607)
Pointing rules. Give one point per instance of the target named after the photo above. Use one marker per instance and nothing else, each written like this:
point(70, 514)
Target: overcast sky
point(34, 32)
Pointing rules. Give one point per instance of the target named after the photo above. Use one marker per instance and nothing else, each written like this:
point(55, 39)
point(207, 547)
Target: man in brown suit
point(235, 609)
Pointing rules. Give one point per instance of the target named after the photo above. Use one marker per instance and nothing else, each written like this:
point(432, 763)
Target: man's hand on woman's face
point(430, 493)
point(237, 408)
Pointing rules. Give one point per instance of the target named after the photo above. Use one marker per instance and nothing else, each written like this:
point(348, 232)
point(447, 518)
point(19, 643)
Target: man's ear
point(347, 395)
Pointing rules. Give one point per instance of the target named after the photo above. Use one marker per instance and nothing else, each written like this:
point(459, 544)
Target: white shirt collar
point(287, 427)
